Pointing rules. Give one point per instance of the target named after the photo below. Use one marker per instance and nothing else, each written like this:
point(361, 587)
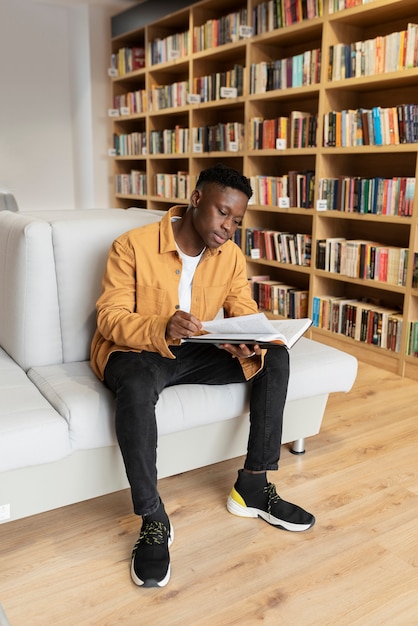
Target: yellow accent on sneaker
point(237, 497)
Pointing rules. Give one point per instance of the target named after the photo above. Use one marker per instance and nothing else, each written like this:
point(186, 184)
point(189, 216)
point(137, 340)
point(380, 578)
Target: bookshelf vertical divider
point(186, 127)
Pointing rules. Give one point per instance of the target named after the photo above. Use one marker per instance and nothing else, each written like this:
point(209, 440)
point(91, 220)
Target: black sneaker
point(150, 565)
point(268, 505)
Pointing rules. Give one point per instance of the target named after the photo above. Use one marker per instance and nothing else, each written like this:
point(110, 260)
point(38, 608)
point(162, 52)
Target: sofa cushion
point(88, 406)
point(31, 431)
point(317, 369)
point(29, 314)
point(81, 244)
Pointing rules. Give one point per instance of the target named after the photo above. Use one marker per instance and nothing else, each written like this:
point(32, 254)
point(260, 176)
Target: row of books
point(134, 183)
point(294, 189)
point(132, 144)
point(212, 87)
point(168, 96)
point(219, 137)
point(363, 321)
point(268, 16)
point(362, 259)
point(296, 71)
point(127, 60)
point(170, 141)
point(380, 196)
point(299, 130)
point(279, 298)
point(377, 126)
point(390, 53)
point(283, 247)
point(169, 48)
point(339, 5)
point(229, 28)
point(172, 185)
point(227, 137)
point(217, 32)
point(133, 102)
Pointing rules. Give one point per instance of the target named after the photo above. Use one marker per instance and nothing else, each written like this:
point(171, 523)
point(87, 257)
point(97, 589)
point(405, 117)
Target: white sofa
point(57, 444)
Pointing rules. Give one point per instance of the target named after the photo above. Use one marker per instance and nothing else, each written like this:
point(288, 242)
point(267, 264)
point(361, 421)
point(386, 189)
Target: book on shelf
point(378, 126)
point(253, 329)
point(302, 129)
point(412, 339)
point(380, 196)
point(297, 71)
point(390, 53)
point(279, 298)
point(362, 320)
point(284, 247)
point(360, 258)
point(269, 15)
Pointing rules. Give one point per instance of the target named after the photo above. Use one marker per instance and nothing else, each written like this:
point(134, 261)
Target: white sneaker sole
point(247, 511)
point(151, 582)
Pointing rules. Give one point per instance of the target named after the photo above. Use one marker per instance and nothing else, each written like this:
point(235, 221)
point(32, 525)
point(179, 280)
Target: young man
point(160, 282)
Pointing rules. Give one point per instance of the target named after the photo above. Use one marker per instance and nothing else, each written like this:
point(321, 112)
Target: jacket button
point(177, 306)
point(177, 271)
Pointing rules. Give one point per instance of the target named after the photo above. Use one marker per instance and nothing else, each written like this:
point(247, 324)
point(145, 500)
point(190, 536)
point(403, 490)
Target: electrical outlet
point(4, 512)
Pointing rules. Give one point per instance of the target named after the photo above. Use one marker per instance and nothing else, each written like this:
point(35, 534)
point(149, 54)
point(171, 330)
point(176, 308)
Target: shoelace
point(152, 533)
point(273, 496)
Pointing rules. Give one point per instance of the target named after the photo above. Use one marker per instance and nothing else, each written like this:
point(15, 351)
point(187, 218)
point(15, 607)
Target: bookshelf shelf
point(394, 304)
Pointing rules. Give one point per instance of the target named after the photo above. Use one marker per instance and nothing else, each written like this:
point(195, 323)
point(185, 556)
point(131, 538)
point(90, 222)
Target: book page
point(256, 328)
point(256, 324)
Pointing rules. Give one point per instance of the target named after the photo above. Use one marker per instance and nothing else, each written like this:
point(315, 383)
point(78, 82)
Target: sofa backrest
point(51, 266)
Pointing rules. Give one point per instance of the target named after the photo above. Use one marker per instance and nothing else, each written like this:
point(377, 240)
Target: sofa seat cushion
point(317, 369)
point(88, 406)
point(31, 431)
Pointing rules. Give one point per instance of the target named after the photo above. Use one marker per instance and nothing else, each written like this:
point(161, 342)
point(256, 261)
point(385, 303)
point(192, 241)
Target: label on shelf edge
point(284, 202)
point(113, 112)
point(229, 92)
point(245, 31)
point(112, 72)
point(321, 205)
point(193, 98)
point(255, 253)
point(173, 55)
point(124, 111)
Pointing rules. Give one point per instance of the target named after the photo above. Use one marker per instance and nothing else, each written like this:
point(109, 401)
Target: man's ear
point(195, 197)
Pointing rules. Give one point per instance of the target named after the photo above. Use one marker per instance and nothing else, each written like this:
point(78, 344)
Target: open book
point(253, 329)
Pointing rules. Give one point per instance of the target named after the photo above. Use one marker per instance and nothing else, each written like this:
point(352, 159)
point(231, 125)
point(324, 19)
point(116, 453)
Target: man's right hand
point(182, 325)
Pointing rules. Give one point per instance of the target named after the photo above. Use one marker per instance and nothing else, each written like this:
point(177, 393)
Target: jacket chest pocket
point(151, 300)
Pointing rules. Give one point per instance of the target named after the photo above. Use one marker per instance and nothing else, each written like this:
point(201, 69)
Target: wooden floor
point(357, 566)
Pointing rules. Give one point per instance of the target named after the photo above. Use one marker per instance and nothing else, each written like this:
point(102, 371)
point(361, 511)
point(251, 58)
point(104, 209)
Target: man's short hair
point(224, 176)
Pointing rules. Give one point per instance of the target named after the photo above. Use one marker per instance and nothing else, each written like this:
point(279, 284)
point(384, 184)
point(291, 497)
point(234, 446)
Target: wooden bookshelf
point(227, 118)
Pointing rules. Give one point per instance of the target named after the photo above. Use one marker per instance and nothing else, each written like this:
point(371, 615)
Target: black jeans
point(137, 379)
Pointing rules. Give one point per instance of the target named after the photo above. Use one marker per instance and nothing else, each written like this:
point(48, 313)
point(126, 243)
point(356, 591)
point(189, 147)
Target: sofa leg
point(298, 447)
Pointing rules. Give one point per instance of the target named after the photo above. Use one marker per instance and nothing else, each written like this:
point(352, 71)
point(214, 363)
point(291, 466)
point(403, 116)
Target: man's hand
point(242, 350)
point(182, 325)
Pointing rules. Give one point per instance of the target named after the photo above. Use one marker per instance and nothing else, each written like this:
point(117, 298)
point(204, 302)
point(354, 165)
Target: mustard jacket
point(140, 292)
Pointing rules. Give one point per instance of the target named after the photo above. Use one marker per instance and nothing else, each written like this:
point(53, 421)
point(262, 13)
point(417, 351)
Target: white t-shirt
point(185, 286)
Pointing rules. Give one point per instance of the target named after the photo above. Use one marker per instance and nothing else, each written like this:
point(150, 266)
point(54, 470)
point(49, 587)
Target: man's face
point(217, 213)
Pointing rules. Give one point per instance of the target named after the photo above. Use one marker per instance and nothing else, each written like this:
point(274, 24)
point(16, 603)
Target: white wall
point(54, 95)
